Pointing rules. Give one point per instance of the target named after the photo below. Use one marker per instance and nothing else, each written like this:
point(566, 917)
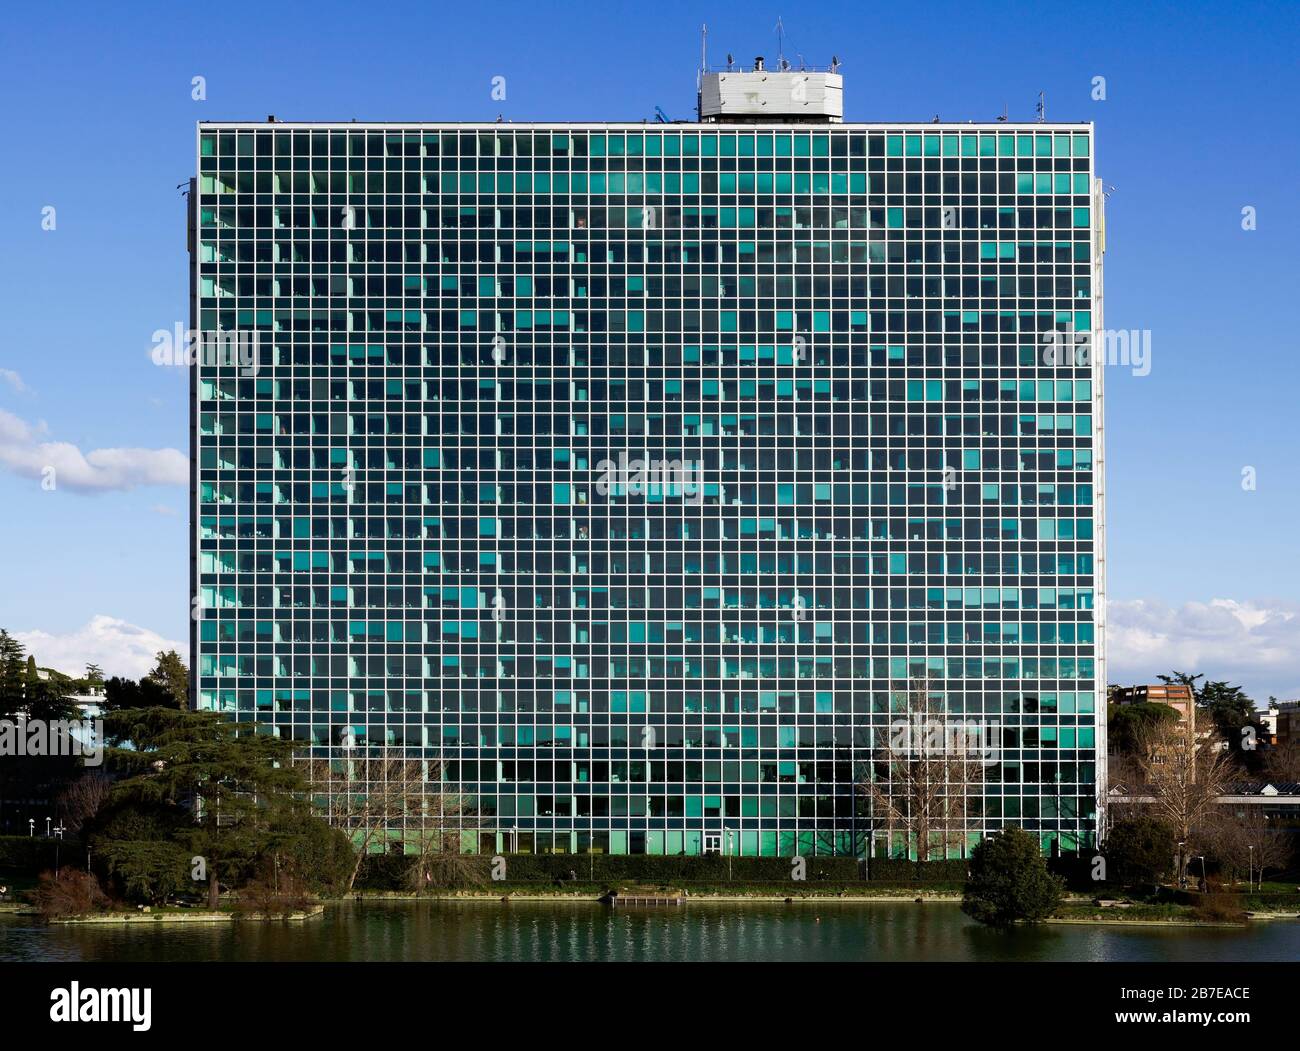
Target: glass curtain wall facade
point(629, 475)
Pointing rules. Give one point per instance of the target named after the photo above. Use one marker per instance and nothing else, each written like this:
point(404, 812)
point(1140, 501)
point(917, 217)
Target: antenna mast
point(780, 43)
point(1042, 106)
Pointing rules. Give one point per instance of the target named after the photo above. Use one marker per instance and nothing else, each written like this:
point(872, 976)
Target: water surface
point(703, 931)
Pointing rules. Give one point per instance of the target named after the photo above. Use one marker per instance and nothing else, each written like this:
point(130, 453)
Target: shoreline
point(1119, 919)
point(181, 916)
point(204, 916)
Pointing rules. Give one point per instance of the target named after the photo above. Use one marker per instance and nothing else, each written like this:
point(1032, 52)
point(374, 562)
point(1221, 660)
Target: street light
point(1182, 868)
point(1250, 880)
point(729, 842)
point(47, 828)
point(1205, 880)
point(31, 826)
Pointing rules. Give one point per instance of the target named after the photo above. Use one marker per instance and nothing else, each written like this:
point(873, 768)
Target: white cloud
point(163, 509)
point(1252, 643)
point(25, 453)
point(14, 380)
point(120, 648)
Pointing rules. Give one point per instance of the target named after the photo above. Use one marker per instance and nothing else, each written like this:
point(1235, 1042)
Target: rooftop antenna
point(780, 43)
point(730, 61)
point(1003, 117)
point(835, 63)
point(704, 66)
point(1042, 106)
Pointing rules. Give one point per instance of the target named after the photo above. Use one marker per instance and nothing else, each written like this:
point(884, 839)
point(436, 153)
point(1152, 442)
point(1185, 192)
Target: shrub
point(32, 854)
point(1219, 908)
point(69, 892)
point(273, 897)
point(1009, 881)
point(322, 855)
point(1140, 850)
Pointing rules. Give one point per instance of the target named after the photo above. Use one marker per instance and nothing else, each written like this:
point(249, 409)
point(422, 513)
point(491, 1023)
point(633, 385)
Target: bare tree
point(1274, 845)
point(1282, 761)
point(924, 770)
point(81, 799)
point(381, 799)
point(1247, 843)
point(439, 863)
point(1184, 771)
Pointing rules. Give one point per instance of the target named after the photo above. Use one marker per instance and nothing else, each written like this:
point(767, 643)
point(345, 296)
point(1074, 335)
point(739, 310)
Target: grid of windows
point(629, 475)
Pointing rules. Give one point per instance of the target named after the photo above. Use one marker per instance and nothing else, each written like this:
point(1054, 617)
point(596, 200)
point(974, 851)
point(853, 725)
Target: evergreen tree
point(12, 675)
point(171, 679)
point(1140, 850)
point(1009, 881)
point(237, 782)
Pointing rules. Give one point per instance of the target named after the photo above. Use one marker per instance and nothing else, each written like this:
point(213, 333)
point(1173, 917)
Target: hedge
point(387, 871)
point(36, 853)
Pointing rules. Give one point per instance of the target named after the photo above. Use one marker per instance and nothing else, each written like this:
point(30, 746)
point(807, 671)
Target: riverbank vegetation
point(195, 809)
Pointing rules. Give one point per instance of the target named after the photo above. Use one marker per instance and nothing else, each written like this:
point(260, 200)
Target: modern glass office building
point(633, 474)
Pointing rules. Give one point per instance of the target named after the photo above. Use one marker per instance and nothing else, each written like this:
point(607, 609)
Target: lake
point(699, 931)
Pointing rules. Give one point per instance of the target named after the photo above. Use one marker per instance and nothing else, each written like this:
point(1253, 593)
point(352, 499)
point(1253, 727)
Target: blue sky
point(1198, 122)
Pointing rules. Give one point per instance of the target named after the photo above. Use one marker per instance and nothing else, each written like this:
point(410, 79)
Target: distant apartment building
point(630, 474)
point(1178, 697)
point(1281, 722)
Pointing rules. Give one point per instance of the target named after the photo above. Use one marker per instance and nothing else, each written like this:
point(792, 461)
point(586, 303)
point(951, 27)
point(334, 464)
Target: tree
point(12, 673)
point(1248, 843)
point(311, 850)
point(1140, 850)
point(94, 675)
point(1282, 761)
point(148, 870)
point(81, 799)
point(438, 862)
point(236, 781)
point(1127, 723)
point(924, 771)
point(120, 694)
point(1230, 710)
point(24, 693)
point(51, 698)
point(375, 793)
point(135, 844)
point(1009, 881)
point(170, 674)
point(1181, 678)
point(1184, 775)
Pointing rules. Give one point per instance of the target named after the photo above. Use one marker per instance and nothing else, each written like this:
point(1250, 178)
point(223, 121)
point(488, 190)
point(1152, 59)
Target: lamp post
point(729, 841)
point(1205, 880)
point(31, 826)
point(1182, 874)
point(1250, 879)
point(47, 828)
